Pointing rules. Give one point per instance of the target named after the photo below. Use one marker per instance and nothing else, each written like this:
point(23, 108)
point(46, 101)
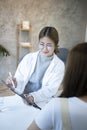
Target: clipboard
point(21, 95)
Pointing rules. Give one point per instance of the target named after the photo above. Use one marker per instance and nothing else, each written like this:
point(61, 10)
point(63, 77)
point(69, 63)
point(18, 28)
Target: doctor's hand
point(11, 82)
point(30, 99)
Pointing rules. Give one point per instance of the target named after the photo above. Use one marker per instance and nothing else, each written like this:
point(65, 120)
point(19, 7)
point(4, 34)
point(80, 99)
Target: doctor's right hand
point(11, 82)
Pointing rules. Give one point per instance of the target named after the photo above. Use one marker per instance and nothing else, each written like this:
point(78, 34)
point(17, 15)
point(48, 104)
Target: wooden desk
point(4, 91)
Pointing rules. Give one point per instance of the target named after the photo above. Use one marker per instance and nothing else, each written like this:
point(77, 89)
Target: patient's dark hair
point(75, 78)
point(52, 33)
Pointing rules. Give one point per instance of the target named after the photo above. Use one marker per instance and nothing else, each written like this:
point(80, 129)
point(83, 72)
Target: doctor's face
point(47, 46)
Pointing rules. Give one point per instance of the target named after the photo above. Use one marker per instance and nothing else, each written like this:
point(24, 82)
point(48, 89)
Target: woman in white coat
point(39, 74)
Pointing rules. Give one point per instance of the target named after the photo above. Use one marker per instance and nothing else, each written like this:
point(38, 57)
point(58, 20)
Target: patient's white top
point(50, 117)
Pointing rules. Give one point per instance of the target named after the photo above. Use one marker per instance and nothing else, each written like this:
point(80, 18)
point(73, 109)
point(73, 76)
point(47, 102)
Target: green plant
point(4, 51)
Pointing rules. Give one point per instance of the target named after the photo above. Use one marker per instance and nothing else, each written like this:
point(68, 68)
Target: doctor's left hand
point(30, 99)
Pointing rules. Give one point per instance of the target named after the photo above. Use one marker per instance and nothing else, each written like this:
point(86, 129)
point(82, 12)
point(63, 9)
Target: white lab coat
point(51, 80)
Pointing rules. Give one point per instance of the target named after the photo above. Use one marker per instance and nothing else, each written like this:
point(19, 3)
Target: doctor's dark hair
point(75, 78)
point(52, 33)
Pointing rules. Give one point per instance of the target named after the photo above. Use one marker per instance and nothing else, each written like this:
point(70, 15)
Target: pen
point(11, 80)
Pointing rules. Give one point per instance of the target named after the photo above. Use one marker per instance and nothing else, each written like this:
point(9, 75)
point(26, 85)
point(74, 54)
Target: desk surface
point(16, 115)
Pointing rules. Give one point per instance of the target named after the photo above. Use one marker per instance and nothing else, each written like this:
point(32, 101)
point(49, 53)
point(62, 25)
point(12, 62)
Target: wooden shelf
point(19, 27)
point(23, 41)
point(25, 45)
